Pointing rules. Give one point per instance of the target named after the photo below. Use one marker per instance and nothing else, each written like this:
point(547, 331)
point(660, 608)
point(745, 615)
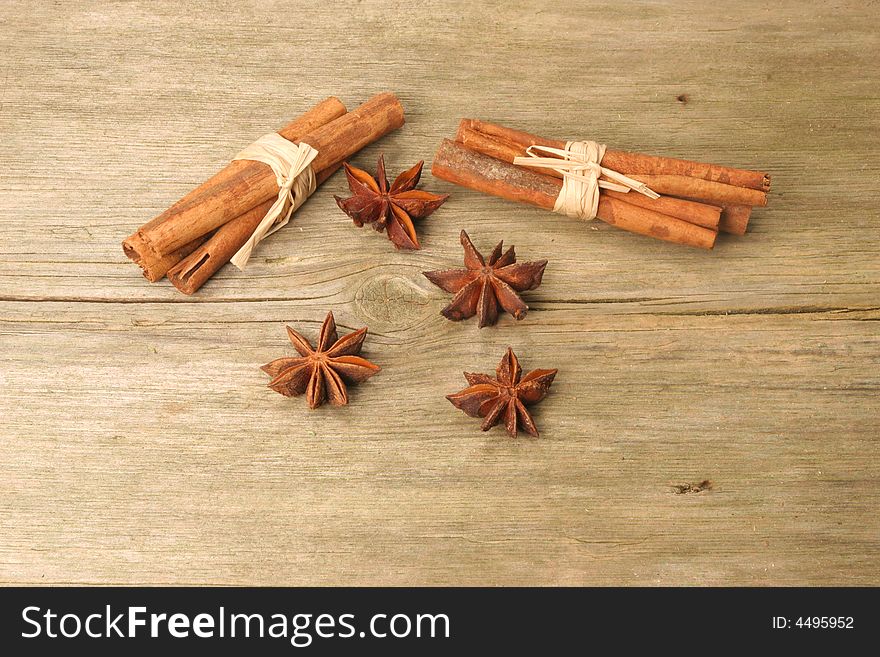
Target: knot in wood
point(391, 302)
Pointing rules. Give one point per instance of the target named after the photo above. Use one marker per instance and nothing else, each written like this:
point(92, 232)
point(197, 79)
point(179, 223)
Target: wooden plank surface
point(138, 443)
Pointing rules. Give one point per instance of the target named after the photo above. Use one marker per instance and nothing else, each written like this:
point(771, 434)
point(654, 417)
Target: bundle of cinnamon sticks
point(196, 236)
point(697, 200)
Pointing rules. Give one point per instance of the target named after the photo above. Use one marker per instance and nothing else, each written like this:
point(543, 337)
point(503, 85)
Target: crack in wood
point(684, 489)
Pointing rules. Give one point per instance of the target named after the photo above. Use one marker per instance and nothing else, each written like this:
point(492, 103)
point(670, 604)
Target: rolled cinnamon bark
point(705, 190)
point(253, 183)
point(627, 163)
point(693, 212)
point(735, 219)
point(193, 271)
point(156, 264)
point(458, 164)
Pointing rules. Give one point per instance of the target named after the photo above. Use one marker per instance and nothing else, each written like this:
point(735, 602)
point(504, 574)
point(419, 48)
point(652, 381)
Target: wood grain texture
point(139, 444)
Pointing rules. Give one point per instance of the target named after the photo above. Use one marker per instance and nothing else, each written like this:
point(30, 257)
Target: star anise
point(506, 396)
point(389, 208)
point(323, 372)
point(482, 287)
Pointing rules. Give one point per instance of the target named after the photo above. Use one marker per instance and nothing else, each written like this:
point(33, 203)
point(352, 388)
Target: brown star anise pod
point(392, 208)
point(483, 287)
point(506, 396)
point(323, 372)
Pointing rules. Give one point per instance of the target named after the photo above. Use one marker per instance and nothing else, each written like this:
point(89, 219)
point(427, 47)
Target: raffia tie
point(581, 168)
point(292, 165)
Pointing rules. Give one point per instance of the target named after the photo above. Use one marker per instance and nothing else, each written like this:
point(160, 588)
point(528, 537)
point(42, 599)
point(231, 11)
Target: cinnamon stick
point(693, 212)
point(193, 271)
point(638, 163)
point(735, 219)
point(463, 166)
point(251, 183)
point(705, 190)
point(155, 264)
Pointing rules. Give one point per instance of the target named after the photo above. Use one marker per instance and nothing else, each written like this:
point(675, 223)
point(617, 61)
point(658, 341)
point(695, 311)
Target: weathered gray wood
point(138, 443)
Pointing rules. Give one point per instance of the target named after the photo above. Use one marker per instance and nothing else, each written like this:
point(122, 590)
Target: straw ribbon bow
point(580, 166)
point(291, 164)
